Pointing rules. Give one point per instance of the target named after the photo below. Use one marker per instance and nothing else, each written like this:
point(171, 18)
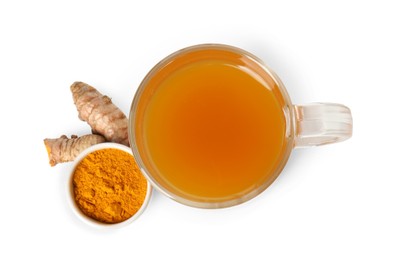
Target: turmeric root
point(63, 149)
point(100, 113)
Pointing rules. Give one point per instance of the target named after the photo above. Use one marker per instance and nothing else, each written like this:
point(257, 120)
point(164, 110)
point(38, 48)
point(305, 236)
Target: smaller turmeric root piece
point(65, 149)
point(100, 113)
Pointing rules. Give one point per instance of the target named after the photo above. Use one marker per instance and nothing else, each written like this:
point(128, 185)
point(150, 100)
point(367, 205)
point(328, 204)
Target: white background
point(330, 202)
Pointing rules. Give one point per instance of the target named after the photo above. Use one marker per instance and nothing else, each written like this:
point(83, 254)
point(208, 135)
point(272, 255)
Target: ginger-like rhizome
point(107, 122)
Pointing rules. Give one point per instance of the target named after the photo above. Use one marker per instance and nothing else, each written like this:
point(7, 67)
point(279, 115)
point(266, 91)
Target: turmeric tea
point(109, 186)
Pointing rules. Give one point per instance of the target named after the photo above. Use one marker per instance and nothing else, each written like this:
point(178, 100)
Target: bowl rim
point(70, 194)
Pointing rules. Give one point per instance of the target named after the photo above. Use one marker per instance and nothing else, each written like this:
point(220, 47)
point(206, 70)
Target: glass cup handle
point(321, 123)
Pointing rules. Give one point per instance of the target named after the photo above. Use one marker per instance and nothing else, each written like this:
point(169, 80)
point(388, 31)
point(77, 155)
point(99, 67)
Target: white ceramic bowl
point(70, 191)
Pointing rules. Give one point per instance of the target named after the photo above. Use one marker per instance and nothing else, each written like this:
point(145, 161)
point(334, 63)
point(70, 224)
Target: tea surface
point(213, 129)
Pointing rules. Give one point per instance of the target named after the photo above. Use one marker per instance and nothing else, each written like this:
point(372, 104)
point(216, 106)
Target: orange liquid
point(214, 128)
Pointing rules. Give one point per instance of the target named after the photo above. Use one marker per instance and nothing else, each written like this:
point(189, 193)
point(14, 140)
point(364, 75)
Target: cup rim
point(210, 204)
point(70, 194)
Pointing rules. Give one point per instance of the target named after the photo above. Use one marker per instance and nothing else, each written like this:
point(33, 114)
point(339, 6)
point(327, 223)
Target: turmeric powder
point(109, 186)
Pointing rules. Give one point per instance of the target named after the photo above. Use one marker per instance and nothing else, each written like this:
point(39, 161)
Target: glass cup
point(298, 125)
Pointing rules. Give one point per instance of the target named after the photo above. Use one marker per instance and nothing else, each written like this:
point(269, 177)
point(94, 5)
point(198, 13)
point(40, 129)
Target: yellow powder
point(108, 185)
